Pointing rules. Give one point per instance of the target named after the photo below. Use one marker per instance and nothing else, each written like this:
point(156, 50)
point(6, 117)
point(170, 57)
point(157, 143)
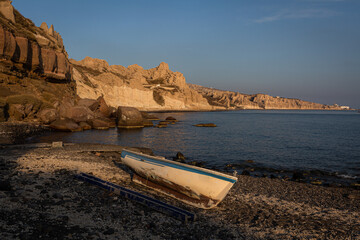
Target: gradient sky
point(307, 49)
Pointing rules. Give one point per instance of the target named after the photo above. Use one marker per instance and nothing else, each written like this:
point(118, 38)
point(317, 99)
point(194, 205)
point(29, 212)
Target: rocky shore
point(41, 198)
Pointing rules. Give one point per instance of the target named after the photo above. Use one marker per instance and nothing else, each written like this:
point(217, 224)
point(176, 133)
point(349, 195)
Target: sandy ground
point(41, 199)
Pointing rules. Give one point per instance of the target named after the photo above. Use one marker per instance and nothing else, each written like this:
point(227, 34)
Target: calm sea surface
point(325, 143)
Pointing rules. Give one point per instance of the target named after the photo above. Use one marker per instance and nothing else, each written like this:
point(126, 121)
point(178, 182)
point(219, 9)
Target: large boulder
point(90, 103)
point(101, 123)
point(48, 115)
point(76, 113)
point(66, 125)
point(98, 106)
point(129, 117)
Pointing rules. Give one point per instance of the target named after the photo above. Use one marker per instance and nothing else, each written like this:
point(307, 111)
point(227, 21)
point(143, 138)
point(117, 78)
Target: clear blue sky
point(307, 49)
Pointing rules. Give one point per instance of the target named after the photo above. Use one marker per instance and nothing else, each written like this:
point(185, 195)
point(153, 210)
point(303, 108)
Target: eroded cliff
point(236, 100)
point(153, 89)
point(35, 72)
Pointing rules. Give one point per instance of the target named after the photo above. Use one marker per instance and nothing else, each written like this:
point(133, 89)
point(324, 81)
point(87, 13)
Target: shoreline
point(44, 200)
point(231, 110)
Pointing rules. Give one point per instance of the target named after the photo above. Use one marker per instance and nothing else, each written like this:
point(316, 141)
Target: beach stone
point(66, 125)
point(245, 173)
point(129, 117)
point(205, 125)
point(57, 144)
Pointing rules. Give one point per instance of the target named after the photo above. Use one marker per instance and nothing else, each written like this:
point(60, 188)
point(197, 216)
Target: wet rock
point(148, 123)
point(205, 125)
point(85, 125)
point(66, 125)
point(197, 163)
point(100, 123)
point(129, 117)
point(149, 116)
point(180, 156)
point(171, 119)
point(245, 173)
point(161, 126)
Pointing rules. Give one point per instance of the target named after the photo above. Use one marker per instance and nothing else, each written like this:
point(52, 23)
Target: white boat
point(197, 186)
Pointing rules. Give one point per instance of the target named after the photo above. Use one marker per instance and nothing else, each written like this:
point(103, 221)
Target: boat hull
point(205, 187)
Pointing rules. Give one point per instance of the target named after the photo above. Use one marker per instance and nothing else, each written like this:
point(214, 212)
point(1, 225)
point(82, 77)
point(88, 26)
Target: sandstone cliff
point(154, 89)
point(23, 46)
point(235, 100)
point(35, 72)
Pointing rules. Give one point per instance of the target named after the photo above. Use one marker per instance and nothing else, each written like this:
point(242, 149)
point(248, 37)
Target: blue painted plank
point(155, 204)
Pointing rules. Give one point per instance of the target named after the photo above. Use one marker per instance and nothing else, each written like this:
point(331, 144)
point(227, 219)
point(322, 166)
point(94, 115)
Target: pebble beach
point(40, 198)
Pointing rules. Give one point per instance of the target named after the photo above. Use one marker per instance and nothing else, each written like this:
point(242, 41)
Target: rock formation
point(35, 73)
point(158, 88)
point(235, 100)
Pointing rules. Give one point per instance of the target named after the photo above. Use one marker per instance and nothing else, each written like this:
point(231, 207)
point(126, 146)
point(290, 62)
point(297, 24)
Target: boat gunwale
point(185, 165)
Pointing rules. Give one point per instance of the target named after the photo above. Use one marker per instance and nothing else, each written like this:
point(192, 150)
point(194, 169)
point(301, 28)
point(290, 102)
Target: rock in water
point(129, 117)
point(66, 125)
point(171, 119)
point(180, 156)
point(148, 123)
point(205, 125)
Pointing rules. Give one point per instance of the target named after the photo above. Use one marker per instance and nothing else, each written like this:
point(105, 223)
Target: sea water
point(277, 142)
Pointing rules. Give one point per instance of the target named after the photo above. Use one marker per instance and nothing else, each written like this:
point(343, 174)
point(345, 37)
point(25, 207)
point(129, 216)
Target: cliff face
point(24, 46)
point(153, 89)
point(35, 72)
point(235, 100)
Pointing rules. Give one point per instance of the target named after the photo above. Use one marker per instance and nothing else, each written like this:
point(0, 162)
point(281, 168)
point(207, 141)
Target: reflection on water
point(322, 140)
